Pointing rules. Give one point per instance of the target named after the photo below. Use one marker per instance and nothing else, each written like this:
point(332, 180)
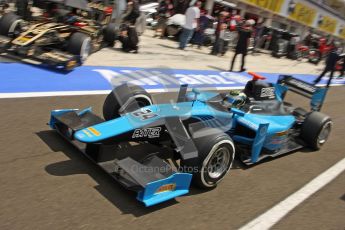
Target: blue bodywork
point(180, 183)
point(270, 132)
point(129, 122)
point(224, 120)
point(264, 125)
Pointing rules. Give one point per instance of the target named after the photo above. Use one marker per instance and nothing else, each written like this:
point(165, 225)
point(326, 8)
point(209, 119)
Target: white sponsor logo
point(148, 132)
point(302, 85)
point(144, 114)
point(155, 77)
point(267, 92)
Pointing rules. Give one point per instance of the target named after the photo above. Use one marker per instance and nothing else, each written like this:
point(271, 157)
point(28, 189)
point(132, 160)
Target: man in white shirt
point(192, 23)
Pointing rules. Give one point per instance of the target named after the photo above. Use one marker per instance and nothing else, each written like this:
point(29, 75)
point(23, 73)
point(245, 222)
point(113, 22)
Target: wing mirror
point(196, 91)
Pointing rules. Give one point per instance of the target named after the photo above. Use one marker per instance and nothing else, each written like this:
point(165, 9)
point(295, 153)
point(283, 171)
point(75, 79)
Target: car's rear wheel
point(80, 44)
point(10, 25)
point(216, 152)
point(316, 130)
point(124, 99)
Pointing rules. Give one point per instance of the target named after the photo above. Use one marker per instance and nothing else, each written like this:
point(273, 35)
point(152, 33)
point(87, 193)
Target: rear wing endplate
point(289, 83)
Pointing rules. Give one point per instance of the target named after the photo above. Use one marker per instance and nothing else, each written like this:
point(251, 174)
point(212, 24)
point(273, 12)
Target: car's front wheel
point(216, 152)
point(124, 99)
point(10, 25)
point(80, 44)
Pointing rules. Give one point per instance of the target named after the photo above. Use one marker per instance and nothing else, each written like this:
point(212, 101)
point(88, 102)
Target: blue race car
point(203, 130)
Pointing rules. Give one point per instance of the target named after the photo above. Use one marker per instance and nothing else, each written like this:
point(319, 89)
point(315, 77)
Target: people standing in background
point(181, 6)
point(199, 35)
point(342, 70)
point(191, 24)
point(225, 37)
point(119, 8)
point(244, 34)
point(132, 12)
point(331, 62)
point(218, 44)
point(308, 38)
point(165, 11)
point(4, 7)
point(258, 32)
point(220, 48)
point(128, 35)
point(22, 8)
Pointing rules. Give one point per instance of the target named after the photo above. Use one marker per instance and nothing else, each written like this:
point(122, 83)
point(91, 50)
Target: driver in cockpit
point(255, 90)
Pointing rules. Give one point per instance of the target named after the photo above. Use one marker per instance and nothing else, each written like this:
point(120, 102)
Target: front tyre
point(216, 154)
point(316, 129)
point(124, 99)
point(10, 25)
point(80, 44)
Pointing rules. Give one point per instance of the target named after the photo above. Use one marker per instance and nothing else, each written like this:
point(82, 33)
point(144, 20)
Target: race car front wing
point(153, 179)
point(53, 58)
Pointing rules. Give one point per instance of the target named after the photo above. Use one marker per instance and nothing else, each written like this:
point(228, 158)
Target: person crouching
point(129, 39)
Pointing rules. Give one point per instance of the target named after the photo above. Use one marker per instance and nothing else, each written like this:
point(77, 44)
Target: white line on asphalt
point(275, 214)
point(51, 94)
point(103, 92)
point(93, 92)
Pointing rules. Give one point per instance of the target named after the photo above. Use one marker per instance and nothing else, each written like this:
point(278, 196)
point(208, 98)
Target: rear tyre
point(216, 152)
point(126, 97)
point(10, 25)
point(110, 34)
point(80, 44)
point(316, 129)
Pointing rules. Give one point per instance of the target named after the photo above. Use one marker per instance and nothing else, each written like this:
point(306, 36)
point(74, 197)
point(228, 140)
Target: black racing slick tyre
point(9, 24)
point(80, 44)
point(216, 152)
point(110, 34)
point(316, 129)
point(124, 99)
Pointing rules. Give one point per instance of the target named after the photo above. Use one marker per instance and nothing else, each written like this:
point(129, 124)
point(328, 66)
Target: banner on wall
point(342, 31)
point(301, 13)
point(272, 5)
point(327, 23)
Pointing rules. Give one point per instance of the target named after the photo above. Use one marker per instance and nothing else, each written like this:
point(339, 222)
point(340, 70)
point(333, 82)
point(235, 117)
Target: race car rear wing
point(289, 83)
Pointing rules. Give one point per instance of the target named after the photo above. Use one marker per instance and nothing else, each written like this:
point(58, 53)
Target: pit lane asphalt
point(48, 184)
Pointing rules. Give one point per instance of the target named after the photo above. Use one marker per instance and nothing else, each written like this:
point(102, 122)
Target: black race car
point(63, 41)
